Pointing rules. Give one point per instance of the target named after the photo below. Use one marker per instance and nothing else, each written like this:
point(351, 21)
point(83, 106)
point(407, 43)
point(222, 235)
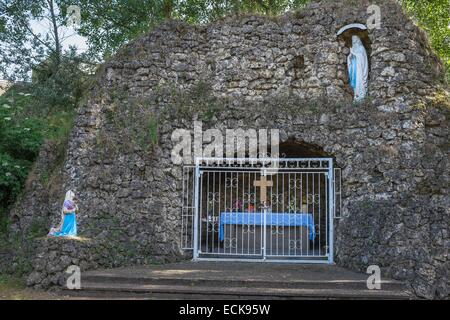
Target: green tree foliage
point(20, 139)
point(23, 129)
point(21, 47)
point(43, 109)
point(60, 88)
point(110, 24)
point(434, 17)
point(13, 173)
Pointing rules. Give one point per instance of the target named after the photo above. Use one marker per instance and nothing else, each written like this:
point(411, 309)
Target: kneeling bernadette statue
point(68, 225)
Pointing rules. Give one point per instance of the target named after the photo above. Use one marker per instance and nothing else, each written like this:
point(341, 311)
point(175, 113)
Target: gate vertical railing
point(337, 192)
point(228, 224)
point(330, 213)
point(264, 233)
point(187, 207)
point(196, 201)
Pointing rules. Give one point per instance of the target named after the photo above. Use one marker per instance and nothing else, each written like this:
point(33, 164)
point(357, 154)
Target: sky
point(70, 36)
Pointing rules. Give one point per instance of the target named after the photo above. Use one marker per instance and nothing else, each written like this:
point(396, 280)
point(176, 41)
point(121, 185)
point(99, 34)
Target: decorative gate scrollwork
point(277, 229)
point(247, 228)
point(230, 243)
point(239, 210)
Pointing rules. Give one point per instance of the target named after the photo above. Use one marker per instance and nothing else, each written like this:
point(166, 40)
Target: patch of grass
point(153, 130)
point(11, 282)
point(441, 99)
point(59, 125)
point(38, 228)
point(129, 119)
point(4, 224)
point(45, 178)
point(14, 288)
point(198, 99)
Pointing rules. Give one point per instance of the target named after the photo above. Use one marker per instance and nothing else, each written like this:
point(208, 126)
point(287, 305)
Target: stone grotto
point(289, 73)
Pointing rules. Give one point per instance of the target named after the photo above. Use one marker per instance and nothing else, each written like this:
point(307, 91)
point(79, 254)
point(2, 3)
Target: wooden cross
point(263, 184)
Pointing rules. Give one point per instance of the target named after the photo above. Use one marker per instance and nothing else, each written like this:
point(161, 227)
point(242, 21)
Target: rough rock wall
point(402, 222)
point(392, 148)
point(299, 53)
point(4, 86)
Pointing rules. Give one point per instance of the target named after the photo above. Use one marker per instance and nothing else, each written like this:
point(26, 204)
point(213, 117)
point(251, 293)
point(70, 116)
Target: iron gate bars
point(294, 223)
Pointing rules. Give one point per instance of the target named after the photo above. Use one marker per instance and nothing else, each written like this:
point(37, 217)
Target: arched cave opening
point(293, 148)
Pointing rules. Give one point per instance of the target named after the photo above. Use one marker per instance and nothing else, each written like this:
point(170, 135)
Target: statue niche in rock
point(358, 69)
point(357, 60)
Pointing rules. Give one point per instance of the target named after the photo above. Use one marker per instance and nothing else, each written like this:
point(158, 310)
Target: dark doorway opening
point(292, 148)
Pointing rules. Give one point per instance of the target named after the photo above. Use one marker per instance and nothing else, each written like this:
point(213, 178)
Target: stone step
point(108, 290)
point(232, 280)
point(354, 284)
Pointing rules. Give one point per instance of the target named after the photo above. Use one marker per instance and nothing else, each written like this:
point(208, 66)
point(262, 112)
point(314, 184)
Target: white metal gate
point(259, 209)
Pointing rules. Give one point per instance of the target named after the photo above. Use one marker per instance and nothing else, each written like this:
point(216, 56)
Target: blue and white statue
point(358, 69)
point(68, 225)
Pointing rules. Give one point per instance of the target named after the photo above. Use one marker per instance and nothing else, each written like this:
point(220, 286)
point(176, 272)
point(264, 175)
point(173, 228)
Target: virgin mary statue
point(68, 225)
point(358, 69)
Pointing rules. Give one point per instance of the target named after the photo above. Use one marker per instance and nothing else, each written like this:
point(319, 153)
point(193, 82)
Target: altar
point(285, 232)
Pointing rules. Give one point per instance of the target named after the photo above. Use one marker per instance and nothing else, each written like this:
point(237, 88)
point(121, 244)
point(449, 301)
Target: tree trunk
point(55, 34)
point(167, 9)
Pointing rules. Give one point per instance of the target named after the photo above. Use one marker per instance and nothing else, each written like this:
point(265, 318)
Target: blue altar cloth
point(272, 219)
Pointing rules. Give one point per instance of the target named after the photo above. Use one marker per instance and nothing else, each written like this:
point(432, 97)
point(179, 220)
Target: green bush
point(57, 89)
point(29, 115)
point(13, 173)
point(20, 140)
